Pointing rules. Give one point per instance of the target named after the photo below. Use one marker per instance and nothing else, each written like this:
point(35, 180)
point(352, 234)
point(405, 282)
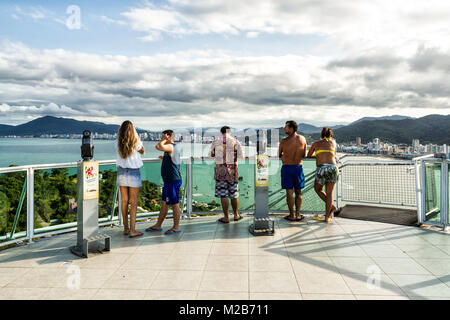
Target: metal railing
point(388, 183)
point(365, 182)
point(114, 216)
point(28, 190)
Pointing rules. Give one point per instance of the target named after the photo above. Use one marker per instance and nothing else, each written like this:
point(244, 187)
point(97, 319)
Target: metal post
point(30, 204)
point(423, 189)
point(189, 187)
point(116, 188)
point(419, 191)
point(341, 185)
point(120, 209)
point(444, 193)
point(337, 195)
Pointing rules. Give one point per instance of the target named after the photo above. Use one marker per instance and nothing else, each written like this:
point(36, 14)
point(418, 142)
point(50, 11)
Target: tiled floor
point(348, 259)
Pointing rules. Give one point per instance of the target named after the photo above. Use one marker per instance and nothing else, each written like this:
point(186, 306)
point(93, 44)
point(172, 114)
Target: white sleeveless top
point(134, 161)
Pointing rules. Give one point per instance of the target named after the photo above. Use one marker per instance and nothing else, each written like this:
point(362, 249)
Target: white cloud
point(252, 34)
point(211, 87)
point(36, 13)
point(41, 110)
point(112, 21)
point(367, 24)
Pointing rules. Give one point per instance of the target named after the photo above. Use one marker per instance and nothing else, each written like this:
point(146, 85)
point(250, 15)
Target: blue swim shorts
point(292, 177)
point(171, 192)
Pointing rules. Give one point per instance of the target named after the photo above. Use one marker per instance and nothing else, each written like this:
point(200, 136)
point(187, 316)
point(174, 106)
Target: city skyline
point(201, 63)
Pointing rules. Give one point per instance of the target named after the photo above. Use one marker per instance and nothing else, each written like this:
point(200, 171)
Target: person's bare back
point(292, 150)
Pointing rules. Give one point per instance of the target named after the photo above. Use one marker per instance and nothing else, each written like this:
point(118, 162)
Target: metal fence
point(390, 183)
point(421, 183)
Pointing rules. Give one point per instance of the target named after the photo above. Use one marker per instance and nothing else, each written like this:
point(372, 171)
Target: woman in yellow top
point(327, 172)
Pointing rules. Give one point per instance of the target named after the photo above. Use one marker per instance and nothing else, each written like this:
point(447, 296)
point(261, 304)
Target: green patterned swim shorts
point(327, 173)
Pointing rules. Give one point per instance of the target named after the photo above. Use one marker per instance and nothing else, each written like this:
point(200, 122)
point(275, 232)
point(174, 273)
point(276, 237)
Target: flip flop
point(173, 232)
point(300, 219)
point(240, 218)
point(291, 220)
point(150, 229)
point(223, 221)
point(321, 219)
point(137, 235)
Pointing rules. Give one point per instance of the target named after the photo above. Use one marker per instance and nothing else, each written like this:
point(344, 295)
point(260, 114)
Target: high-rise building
point(415, 145)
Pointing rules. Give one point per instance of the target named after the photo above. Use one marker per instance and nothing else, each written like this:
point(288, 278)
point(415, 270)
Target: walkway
point(304, 260)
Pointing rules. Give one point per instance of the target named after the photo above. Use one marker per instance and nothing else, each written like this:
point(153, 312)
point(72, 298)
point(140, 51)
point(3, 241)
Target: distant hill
point(4, 129)
point(394, 117)
point(54, 125)
point(429, 129)
point(308, 129)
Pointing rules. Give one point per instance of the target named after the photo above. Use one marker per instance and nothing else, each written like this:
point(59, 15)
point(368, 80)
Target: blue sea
point(32, 151)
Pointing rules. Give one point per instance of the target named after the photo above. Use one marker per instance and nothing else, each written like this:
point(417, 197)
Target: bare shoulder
point(301, 138)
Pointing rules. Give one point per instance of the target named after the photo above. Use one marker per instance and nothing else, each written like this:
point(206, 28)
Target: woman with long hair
point(129, 149)
point(327, 172)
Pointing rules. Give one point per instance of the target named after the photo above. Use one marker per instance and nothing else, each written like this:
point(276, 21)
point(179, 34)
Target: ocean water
point(23, 151)
point(28, 151)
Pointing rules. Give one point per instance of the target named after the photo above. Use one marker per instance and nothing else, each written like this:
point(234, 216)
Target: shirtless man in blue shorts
point(291, 151)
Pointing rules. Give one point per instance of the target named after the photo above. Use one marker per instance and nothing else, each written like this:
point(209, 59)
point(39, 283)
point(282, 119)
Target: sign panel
point(262, 171)
point(90, 180)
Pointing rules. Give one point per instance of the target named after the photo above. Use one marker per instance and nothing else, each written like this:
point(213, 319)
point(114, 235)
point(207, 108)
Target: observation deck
point(347, 259)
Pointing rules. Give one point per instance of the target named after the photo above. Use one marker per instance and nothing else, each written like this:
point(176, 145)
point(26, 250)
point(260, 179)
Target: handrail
point(423, 157)
point(385, 163)
point(112, 162)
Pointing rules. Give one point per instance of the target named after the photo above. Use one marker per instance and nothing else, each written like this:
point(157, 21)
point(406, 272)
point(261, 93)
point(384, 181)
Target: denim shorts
point(127, 177)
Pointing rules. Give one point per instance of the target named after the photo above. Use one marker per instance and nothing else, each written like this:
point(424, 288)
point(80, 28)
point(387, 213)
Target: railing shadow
point(198, 231)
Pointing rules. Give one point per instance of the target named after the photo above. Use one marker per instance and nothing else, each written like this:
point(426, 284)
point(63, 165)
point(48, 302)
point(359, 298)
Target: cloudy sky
point(204, 63)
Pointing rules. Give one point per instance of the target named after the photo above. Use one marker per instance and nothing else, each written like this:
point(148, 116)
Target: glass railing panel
point(56, 195)
point(246, 185)
point(12, 189)
point(277, 196)
point(55, 199)
point(107, 191)
point(204, 185)
point(149, 199)
point(433, 192)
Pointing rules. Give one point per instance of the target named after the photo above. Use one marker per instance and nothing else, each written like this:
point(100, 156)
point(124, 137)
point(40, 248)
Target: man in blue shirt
point(170, 172)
